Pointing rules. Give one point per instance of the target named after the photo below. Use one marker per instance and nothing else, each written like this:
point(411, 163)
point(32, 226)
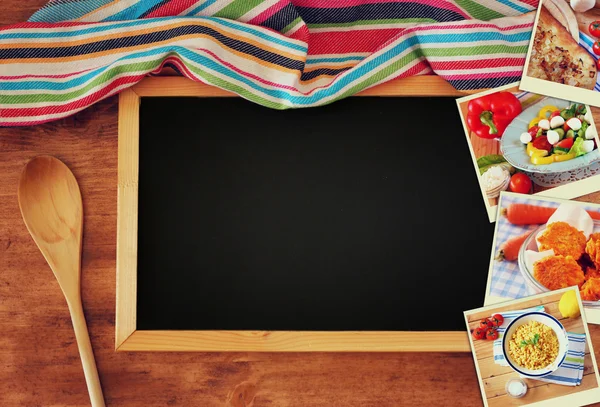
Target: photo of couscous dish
point(536, 349)
point(533, 345)
point(563, 58)
point(527, 143)
point(545, 244)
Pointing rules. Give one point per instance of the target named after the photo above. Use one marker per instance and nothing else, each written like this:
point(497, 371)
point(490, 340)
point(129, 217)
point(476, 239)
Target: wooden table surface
point(495, 376)
point(39, 362)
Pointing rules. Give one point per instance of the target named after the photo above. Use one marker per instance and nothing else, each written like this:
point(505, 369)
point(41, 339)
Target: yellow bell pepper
point(546, 111)
point(538, 160)
point(564, 157)
point(534, 122)
point(535, 152)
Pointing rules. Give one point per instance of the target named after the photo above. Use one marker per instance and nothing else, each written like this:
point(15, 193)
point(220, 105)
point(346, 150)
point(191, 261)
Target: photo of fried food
point(592, 248)
point(564, 239)
point(556, 272)
point(557, 57)
point(590, 290)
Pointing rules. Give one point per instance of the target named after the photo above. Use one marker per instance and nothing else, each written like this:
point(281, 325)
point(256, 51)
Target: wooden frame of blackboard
point(128, 338)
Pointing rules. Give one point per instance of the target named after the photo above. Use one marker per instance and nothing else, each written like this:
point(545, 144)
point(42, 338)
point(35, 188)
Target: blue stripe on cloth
point(201, 7)
point(514, 6)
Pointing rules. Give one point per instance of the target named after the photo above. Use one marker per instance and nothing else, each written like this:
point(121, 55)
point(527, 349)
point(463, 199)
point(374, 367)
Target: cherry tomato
point(554, 114)
point(491, 334)
point(486, 323)
point(596, 48)
point(520, 183)
point(565, 143)
point(497, 319)
point(478, 333)
point(594, 28)
point(533, 131)
point(541, 143)
point(566, 127)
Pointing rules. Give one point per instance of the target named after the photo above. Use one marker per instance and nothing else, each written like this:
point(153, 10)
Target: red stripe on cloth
point(480, 63)
point(172, 8)
point(30, 25)
point(343, 42)
point(69, 107)
point(269, 12)
point(516, 72)
point(66, 75)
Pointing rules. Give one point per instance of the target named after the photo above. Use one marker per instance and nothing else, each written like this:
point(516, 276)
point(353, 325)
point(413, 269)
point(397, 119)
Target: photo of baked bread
point(557, 57)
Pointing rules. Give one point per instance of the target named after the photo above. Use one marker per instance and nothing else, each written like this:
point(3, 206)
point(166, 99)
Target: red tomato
point(596, 48)
point(533, 131)
point(594, 28)
point(491, 334)
point(554, 114)
point(542, 143)
point(598, 64)
point(478, 333)
point(497, 319)
point(520, 183)
point(486, 323)
point(565, 143)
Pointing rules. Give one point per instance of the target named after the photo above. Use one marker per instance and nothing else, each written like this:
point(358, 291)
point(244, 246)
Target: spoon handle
point(86, 353)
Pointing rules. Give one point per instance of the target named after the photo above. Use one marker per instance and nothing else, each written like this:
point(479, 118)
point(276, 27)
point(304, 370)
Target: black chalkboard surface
point(364, 214)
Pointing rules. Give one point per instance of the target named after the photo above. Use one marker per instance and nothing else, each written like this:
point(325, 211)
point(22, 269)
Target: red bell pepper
point(489, 115)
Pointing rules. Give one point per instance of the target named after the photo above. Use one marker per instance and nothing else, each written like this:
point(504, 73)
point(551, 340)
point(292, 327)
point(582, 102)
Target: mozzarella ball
point(544, 124)
point(590, 133)
point(556, 121)
point(574, 123)
point(587, 145)
point(553, 137)
point(525, 138)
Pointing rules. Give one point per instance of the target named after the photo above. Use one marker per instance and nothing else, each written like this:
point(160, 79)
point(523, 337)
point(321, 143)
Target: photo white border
point(592, 315)
point(566, 191)
point(583, 398)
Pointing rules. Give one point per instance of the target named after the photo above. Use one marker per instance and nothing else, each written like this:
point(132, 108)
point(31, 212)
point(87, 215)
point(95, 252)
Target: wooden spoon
point(51, 207)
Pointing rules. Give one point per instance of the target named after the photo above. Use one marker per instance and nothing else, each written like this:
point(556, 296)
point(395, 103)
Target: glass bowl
point(531, 244)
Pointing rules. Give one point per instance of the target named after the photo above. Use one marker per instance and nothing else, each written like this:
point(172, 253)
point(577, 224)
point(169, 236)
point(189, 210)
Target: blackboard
point(365, 214)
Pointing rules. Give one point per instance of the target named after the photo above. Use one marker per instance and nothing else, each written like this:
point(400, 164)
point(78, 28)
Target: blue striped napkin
point(569, 373)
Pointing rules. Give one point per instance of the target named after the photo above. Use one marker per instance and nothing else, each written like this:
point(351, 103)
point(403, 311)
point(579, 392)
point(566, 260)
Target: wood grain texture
point(494, 377)
point(127, 216)
point(295, 341)
point(39, 363)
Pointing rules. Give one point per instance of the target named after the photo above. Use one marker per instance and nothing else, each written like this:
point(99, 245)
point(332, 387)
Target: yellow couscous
point(533, 346)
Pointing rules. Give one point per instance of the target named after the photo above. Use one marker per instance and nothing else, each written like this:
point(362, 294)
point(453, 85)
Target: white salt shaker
point(516, 388)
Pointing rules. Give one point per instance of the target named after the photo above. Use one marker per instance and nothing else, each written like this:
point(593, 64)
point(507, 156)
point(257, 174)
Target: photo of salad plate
point(551, 136)
point(528, 143)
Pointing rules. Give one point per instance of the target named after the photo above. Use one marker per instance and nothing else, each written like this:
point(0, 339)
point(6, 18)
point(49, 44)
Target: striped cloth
point(570, 372)
point(507, 281)
point(277, 53)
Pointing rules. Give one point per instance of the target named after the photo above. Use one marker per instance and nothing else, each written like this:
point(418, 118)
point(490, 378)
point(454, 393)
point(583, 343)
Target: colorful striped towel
point(278, 53)
point(569, 373)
